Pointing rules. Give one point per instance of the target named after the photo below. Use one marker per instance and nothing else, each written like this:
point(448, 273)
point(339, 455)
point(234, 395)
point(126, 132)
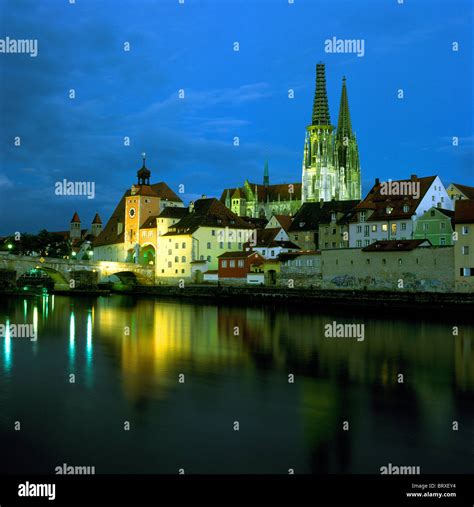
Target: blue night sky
point(190, 141)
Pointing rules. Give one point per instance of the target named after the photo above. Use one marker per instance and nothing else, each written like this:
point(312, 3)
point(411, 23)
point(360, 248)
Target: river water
point(136, 385)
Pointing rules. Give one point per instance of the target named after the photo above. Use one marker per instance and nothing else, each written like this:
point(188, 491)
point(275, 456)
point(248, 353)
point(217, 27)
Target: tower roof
point(97, 219)
point(344, 127)
point(75, 218)
point(320, 104)
point(266, 176)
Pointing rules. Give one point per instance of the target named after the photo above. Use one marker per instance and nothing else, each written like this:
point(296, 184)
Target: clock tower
point(141, 203)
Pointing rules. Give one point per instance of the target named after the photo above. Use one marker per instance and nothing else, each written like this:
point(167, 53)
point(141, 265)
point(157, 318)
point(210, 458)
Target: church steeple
point(143, 174)
point(320, 103)
point(266, 176)
point(344, 128)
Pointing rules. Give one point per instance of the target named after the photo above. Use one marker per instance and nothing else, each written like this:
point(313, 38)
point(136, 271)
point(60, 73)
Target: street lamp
point(9, 246)
point(91, 253)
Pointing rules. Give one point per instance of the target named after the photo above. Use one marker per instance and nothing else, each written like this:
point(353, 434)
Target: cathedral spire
point(266, 176)
point(344, 128)
point(320, 104)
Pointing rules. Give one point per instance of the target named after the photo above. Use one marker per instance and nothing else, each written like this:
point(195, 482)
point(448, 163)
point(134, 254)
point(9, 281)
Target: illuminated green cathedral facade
point(331, 168)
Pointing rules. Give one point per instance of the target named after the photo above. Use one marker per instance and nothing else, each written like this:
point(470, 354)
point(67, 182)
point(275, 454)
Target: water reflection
point(399, 389)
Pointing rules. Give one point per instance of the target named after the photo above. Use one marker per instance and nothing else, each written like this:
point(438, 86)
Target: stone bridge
point(62, 271)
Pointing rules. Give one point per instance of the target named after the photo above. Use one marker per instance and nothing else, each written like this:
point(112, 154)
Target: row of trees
point(44, 243)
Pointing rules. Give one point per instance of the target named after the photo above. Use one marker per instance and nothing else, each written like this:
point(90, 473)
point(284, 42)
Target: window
point(272, 253)
point(400, 262)
point(309, 262)
point(229, 245)
point(334, 230)
point(232, 264)
point(183, 259)
point(394, 229)
point(341, 244)
point(442, 240)
point(366, 230)
point(432, 213)
point(333, 216)
point(362, 216)
point(467, 272)
point(170, 252)
point(442, 225)
point(182, 271)
point(224, 264)
point(384, 262)
point(296, 237)
point(403, 226)
point(263, 252)
point(359, 243)
point(201, 257)
point(213, 232)
point(221, 244)
point(169, 264)
point(465, 250)
point(298, 263)
point(465, 229)
point(367, 261)
point(359, 229)
point(241, 263)
point(432, 197)
point(326, 245)
point(176, 259)
point(384, 227)
point(208, 258)
point(333, 244)
point(240, 246)
point(374, 228)
point(367, 242)
point(208, 246)
point(426, 227)
point(183, 245)
point(406, 208)
point(176, 245)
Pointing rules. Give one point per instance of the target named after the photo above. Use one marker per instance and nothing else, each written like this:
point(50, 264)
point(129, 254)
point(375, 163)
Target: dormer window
point(362, 216)
point(406, 208)
point(388, 210)
point(333, 216)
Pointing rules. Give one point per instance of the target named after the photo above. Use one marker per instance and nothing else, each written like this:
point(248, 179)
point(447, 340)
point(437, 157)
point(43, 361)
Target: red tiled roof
point(379, 203)
point(396, 245)
point(208, 212)
point(285, 191)
point(97, 219)
point(464, 211)
point(284, 221)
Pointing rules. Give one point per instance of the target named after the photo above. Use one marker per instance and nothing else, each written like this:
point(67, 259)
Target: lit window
point(374, 228)
point(384, 227)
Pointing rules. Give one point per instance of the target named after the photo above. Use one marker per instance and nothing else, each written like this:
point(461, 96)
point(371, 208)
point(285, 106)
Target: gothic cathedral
point(331, 167)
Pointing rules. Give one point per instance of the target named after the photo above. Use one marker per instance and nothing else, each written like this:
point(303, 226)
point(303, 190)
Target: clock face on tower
point(131, 212)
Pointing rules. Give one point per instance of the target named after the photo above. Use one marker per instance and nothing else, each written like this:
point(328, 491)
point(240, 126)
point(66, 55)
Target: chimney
point(377, 181)
point(413, 177)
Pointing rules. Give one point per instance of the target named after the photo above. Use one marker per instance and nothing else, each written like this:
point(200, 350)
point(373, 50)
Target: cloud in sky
point(189, 47)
